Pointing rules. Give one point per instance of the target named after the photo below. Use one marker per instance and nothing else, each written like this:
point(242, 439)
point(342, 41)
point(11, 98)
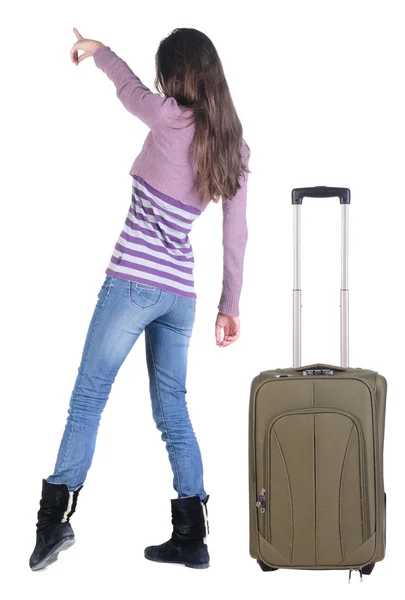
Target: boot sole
point(52, 556)
point(203, 566)
point(177, 562)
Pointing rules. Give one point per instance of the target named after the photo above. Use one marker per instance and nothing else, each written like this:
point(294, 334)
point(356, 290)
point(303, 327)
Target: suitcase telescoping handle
point(321, 192)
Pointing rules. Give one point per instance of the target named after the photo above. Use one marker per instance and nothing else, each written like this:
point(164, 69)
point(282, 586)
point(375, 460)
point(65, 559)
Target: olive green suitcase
point(316, 437)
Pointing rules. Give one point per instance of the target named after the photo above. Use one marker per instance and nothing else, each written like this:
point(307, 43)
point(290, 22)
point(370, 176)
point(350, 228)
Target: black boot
point(54, 532)
point(190, 529)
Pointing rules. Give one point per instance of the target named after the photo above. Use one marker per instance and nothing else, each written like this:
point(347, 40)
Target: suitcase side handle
point(320, 191)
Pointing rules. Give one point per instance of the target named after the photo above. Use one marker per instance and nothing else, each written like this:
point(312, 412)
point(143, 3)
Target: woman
point(193, 154)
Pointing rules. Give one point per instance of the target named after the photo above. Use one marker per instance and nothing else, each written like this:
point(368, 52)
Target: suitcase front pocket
point(316, 503)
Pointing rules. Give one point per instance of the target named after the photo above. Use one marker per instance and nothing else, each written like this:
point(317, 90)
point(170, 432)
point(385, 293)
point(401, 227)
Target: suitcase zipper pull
point(261, 502)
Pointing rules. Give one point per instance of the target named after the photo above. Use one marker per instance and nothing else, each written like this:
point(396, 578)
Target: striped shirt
point(154, 247)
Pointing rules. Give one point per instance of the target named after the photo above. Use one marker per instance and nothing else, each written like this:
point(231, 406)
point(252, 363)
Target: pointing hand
point(88, 46)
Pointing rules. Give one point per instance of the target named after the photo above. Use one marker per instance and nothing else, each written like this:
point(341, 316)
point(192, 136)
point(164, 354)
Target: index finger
point(229, 339)
point(77, 34)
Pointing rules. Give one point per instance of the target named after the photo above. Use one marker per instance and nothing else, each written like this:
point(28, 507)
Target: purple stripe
point(140, 194)
point(168, 199)
point(152, 258)
point(142, 242)
point(156, 227)
point(157, 284)
point(149, 211)
point(131, 265)
point(137, 199)
point(136, 227)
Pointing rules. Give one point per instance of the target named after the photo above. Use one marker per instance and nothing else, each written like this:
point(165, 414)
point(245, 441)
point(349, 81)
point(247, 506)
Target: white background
point(318, 86)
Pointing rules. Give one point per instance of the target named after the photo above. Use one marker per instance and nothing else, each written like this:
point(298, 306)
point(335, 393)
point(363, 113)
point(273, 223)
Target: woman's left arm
point(134, 95)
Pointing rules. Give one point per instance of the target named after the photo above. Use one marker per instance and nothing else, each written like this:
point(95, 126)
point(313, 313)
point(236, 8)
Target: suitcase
point(316, 437)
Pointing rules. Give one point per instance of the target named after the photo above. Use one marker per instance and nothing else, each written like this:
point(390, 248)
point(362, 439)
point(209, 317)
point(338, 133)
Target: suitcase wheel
point(367, 570)
point(265, 567)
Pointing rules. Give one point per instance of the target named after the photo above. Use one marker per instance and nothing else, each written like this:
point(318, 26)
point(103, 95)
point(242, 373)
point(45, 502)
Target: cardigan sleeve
point(234, 240)
point(134, 95)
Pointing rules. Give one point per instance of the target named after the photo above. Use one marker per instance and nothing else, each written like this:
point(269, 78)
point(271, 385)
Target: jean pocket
point(143, 295)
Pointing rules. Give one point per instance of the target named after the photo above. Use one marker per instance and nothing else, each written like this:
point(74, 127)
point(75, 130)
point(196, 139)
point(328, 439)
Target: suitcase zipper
point(261, 501)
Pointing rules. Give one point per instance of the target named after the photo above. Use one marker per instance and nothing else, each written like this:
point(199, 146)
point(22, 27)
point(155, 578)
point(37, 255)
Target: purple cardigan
point(165, 164)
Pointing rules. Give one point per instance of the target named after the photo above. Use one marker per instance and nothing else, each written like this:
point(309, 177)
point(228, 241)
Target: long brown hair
point(189, 69)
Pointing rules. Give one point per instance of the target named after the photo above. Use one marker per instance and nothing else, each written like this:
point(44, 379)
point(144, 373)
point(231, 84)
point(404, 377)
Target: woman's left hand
point(88, 46)
point(231, 327)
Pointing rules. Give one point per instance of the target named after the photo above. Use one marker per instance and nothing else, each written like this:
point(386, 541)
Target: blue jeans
point(123, 311)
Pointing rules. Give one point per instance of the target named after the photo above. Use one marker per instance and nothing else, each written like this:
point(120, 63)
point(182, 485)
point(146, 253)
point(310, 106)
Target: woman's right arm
point(234, 239)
